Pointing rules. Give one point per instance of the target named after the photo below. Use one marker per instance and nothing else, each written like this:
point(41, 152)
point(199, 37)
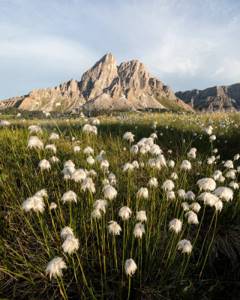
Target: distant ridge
point(217, 98)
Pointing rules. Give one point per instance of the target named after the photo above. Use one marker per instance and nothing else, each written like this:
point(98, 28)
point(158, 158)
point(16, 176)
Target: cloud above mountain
point(187, 44)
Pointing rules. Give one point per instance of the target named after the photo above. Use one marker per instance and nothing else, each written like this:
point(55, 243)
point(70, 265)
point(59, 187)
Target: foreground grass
point(29, 240)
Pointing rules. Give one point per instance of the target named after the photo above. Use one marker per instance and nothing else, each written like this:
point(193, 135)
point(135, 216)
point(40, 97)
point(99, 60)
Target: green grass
point(29, 240)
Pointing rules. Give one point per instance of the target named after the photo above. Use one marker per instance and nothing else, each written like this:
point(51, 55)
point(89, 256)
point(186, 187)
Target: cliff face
point(217, 98)
point(63, 97)
point(106, 87)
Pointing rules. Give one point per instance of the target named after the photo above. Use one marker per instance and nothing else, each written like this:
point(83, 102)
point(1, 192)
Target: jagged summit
point(106, 86)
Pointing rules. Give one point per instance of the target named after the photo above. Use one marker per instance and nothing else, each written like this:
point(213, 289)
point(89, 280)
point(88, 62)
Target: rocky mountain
point(105, 87)
point(217, 98)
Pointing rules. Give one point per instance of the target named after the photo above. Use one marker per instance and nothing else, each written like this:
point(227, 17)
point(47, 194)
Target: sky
point(185, 43)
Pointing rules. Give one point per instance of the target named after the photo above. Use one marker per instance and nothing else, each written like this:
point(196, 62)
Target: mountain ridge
point(106, 86)
point(215, 98)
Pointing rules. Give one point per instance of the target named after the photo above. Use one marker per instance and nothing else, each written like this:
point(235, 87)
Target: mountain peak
point(108, 58)
point(106, 87)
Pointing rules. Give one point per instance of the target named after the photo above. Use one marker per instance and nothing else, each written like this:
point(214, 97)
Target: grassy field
point(174, 236)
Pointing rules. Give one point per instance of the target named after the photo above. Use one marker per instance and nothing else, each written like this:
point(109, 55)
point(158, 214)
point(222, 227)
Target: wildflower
point(168, 185)
point(135, 164)
point(104, 165)
point(161, 161)
point(174, 176)
point(186, 165)
point(90, 160)
point(134, 149)
point(218, 205)
point(54, 136)
point(76, 149)
point(112, 179)
point(234, 185)
point(42, 193)
point(69, 164)
point(171, 195)
point(153, 182)
point(209, 130)
point(54, 159)
point(141, 216)
point(212, 138)
point(195, 206)
point(189, 195)
point(236, 156)
point(221, 179)
point(35, 129)
point(181, 193)
point(192, 217)
point(175, 225)
point(154, 136)
point(185, 206)
point(51, 147)
point(109, 192)
point(228, 164)
point(55, 267)
point(217, 174)
point(155, 150)
point(139, 230)
point(224, 193)
point(128, 136)
point(206, 184)
point(171, 164)
point(100, 205)
point(65, 232)
point(125, 213)
point(208, 199)
point(89, 185)
point(211, 160)
point(88, 151)
point(95, 121)
point(35, 143)
point(96, 214)
point(130, 267)
point(44, 165)
point(52, 206)
point(91, 173)
point(144, 149)
point(192, 153)
point(142, 193)
point(70, 245)
point(78, 175)
point(87, 128)
point(34, 203)
point(184, 246)
point(69, 196)
point(231, 174)
point(114, 228)
point(128, 167)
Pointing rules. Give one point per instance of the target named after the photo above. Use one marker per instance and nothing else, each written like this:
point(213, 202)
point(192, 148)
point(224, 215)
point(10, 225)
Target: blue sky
point(186, 43)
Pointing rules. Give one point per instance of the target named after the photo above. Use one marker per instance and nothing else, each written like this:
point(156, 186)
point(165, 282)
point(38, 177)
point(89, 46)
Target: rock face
point(63, 97)
point(217, 98)
point(106, 87)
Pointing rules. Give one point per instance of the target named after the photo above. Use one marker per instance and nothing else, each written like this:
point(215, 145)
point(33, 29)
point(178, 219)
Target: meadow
point(132, 206)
